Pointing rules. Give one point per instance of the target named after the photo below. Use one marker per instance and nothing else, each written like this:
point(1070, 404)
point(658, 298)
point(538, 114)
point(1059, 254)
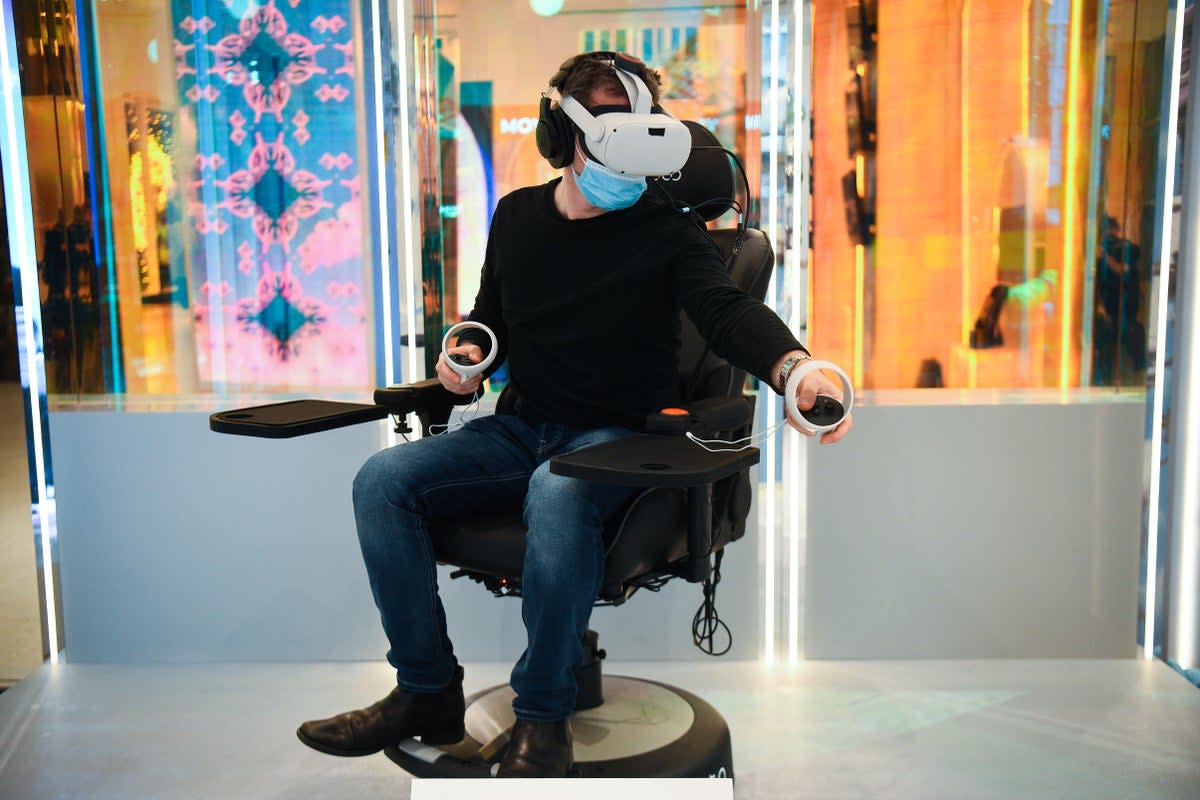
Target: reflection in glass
point(220, 142)
point(492, 65)
point(1011, 186)
point(273, 213)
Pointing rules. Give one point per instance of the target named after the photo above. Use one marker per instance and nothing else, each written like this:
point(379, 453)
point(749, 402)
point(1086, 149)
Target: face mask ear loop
point(729, 448)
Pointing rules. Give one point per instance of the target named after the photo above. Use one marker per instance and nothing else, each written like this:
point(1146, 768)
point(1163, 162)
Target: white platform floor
point(961, 730)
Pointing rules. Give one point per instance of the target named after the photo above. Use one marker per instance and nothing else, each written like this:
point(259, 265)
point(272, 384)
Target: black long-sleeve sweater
point(587, 311)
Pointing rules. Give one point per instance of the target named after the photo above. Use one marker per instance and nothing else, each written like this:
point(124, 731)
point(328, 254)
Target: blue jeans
point(490, 464)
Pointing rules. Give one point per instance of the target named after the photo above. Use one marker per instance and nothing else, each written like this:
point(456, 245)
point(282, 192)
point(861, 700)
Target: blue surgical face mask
point(607, 189)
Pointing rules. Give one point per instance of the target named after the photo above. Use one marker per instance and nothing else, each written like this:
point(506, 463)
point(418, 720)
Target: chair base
point(642, 730)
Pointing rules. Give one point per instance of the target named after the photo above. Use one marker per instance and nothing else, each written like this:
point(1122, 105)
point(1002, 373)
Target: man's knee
point(564, 544)
point(385, 477)
point(558, 496)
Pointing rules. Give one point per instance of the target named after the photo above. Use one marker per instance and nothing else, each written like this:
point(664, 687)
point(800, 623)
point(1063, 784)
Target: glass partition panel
point(196, 172)
point(984, 179)
point(490, 64)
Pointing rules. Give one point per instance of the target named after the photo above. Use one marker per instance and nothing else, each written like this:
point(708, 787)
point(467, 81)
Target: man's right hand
point(450, 379)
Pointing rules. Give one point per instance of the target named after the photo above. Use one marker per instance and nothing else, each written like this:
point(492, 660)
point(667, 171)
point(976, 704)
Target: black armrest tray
point(652, 461)
point(293, 418)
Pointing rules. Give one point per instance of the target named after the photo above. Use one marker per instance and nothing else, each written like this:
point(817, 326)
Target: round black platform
point(643, 730)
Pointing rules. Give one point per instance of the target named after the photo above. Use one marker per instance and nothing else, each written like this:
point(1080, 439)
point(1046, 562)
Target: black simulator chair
point(693, 503)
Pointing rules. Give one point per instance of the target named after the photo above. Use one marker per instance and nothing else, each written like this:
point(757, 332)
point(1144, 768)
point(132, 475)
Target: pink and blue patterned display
point(276, 261)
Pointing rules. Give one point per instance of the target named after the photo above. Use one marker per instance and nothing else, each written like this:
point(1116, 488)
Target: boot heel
point(445, 736)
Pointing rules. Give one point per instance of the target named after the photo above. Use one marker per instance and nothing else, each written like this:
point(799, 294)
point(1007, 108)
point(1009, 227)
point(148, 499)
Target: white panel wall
point(977, 531)
point(178, 544)
point(934, 532)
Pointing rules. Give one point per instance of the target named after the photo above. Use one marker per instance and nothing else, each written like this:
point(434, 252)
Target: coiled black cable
point(707, 623)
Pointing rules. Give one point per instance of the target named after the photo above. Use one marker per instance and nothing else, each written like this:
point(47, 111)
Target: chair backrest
point(707, 185)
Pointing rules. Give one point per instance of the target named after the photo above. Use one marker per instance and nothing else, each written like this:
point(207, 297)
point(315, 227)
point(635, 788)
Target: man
point(582, 282)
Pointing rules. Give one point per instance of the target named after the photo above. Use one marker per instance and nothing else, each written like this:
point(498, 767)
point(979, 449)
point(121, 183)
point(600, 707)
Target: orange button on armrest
point(675, 412)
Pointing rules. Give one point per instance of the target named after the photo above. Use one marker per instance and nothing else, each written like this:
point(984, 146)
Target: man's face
point(599, 96)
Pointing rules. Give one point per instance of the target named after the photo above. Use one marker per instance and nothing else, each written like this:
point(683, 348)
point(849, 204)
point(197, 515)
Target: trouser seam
point(470, 482)
point(431, 577)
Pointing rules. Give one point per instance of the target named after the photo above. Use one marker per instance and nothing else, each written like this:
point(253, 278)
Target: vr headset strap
point(635, 89)
point(592, 128)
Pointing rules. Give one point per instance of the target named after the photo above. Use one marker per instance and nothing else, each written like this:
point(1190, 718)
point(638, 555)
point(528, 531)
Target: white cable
point(463, 419)
point(791, 409)
point(751, 440)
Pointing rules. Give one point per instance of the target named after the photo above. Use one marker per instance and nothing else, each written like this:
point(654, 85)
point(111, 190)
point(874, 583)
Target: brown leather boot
point(436, 718)
point(538, 750)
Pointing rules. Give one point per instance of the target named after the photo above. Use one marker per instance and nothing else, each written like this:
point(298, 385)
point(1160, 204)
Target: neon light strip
point(1167, 203)
point(214, 259)
point(860, 278)
point(1095, 167)
point(795, 469)
point(1185, 410)
point(24, 266)
point(89, 68)
point(407, 215)
point(384, 223)
point(860, 291)
point(1070, 188)
point(771, 446)
point(964, 239)
point(1025, 58)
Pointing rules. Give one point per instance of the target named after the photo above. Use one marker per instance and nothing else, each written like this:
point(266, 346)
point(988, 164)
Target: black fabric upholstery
point(706, 183)
point(641, 540)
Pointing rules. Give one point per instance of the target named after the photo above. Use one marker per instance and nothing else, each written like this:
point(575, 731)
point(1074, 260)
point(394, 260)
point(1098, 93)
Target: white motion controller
point(789, 395)
point(466, 371)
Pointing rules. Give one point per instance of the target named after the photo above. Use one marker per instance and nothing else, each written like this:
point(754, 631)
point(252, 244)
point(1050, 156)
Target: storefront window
point(494, 60)
point(983, 177)
point(984, 189)
point(196, 172)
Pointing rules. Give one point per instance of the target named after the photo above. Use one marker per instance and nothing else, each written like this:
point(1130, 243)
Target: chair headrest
point(706, 181)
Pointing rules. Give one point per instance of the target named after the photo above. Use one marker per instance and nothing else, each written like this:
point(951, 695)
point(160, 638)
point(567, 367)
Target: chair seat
point(649, 535)
point(493, 543)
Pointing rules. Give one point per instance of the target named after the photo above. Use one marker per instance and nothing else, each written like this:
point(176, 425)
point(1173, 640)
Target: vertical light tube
point(408, 216)
point(964, 237)
point(1095, 168)
point(794, 473)
point(1026, 50)
point(90, 76)
point(19, 204)
point(215, 261)
point(384, 223)
point(1166, 203)
point(770, 533)
point(860, 303)
point(1071, 190)
point(1184, 558)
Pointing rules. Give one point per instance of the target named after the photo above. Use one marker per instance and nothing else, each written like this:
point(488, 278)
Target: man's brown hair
point(580, 74)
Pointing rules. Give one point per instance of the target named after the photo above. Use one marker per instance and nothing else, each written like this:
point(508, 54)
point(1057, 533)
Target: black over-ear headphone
point(555, 133)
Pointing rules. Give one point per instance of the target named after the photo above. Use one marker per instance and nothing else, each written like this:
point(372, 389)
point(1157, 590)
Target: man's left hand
point(811, 385)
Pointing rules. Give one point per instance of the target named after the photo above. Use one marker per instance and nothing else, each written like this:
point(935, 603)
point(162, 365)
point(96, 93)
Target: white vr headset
point(643, 141)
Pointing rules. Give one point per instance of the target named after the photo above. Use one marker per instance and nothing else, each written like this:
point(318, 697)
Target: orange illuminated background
point(980, 178)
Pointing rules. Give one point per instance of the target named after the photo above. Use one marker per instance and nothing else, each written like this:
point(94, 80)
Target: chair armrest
point(428, 399)
point(649, 461)
point(409, 397)
point(293, 418)
point(705, 417)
